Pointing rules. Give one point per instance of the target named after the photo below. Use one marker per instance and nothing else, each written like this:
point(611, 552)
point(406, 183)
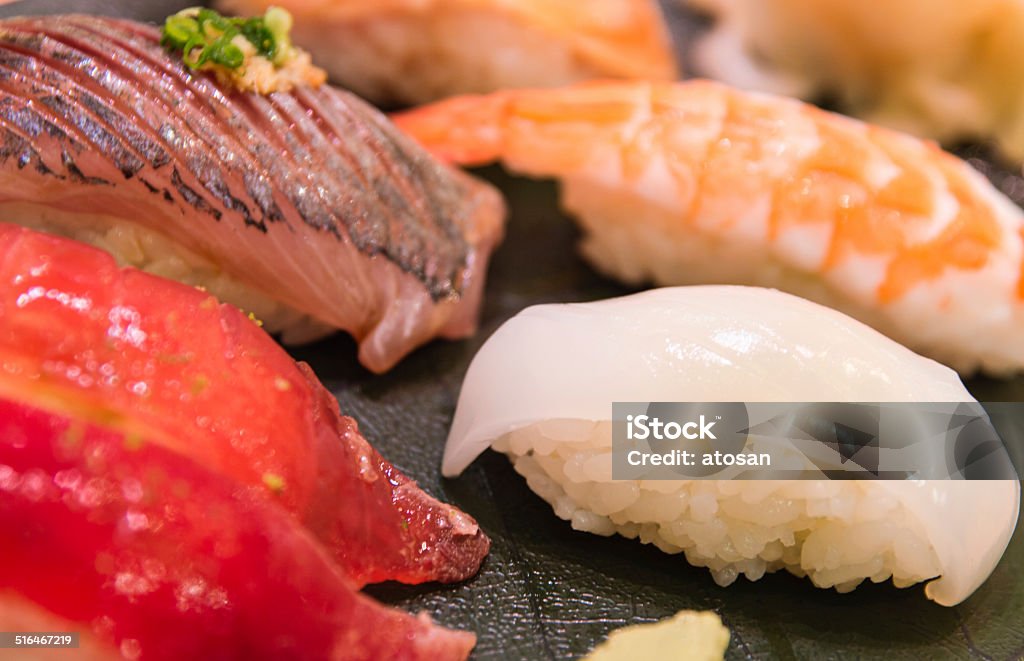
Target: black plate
point(549, 592)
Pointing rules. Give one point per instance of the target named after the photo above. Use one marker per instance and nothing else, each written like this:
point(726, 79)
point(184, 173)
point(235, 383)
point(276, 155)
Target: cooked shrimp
point(413, 51)
point(695, 182)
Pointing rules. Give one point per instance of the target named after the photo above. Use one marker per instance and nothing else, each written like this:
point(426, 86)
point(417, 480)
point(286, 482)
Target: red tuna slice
point(168, 363)
point(162, 559)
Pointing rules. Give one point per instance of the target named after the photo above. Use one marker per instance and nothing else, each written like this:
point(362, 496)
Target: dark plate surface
point(549, 592)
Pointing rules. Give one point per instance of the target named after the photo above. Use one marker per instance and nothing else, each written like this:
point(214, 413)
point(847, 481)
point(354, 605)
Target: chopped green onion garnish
point(226, 54)
point(178, 29)
point(204, 37)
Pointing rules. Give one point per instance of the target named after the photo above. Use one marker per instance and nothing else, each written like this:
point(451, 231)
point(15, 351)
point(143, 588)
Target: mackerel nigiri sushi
point(304, 207)
point(541, 391)
point(165, 364)
point(414, 51)
point(695, 182)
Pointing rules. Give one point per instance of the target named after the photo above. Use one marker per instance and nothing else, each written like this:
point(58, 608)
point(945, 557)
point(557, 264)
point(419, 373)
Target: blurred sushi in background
point(414, 51)
point(944, 69)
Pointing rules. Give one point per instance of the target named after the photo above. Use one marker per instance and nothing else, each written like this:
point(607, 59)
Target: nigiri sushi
point(414, 51)
point(695, 182)
point(146, 554)
point(541, 391)
point(941, 69)
point(306, 208)
point(167, 364)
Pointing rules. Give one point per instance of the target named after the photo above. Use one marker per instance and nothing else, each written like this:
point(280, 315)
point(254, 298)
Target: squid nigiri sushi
point(695, 182)
point(146, 554)
point(541, 391)
point(167, 364)
point(414, 51)
point(304, 207)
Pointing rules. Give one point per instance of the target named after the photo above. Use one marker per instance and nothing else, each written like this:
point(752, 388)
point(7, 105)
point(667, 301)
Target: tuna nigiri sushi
point(167, 364)
point(146, 554)
point(541, 391)
point(306, 207)
point(414, 51)
point(695, 182)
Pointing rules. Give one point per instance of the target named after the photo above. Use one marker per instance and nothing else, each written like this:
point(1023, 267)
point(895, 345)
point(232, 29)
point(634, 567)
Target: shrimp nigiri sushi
point(695, 182)
point(541, 391)
point(304, 207)
point(414, 51)
point(167, 364)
